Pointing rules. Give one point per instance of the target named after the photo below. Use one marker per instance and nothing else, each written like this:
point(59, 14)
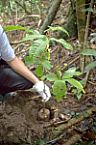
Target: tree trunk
point(81, 19)
point(51, 14)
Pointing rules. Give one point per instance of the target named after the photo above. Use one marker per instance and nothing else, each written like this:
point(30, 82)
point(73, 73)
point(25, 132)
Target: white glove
point(43, 90)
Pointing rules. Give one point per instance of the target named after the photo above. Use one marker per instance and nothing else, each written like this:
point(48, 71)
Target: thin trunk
point(51, 15)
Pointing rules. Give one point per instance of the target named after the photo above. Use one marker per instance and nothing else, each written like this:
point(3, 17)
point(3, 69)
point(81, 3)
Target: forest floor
point(20, 122)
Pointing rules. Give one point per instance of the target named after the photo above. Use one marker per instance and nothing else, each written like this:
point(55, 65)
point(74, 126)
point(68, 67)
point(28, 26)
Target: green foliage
point(87, 10)
point(13, 28)
point(76, 84)
point(39, 52)
point(71, 72)
point(39, 71)
point(89, 52)
point(77, 93)
point(63, 43)
point(59, 89)
point(90, 66)
point(58, 28)
point(60, 82)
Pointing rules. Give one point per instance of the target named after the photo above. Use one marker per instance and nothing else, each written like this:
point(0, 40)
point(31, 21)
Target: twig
point(59, 129)
point(71, 62)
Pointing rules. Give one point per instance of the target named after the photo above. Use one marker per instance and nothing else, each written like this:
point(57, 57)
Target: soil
point(19, 120)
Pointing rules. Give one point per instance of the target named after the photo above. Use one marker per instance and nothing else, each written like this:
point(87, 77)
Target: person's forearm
point(19, 67)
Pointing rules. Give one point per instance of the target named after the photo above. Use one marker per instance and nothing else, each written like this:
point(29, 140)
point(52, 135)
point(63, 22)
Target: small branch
point(60, 128)
point(72, 61)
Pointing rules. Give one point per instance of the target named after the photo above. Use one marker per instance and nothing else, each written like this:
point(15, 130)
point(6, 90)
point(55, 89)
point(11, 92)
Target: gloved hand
point(43, 90)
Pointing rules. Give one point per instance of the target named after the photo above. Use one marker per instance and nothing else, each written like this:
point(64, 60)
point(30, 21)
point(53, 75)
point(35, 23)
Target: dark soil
point(19, 120)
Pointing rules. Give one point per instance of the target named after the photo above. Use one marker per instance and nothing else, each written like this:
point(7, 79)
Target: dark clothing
point(11, 81)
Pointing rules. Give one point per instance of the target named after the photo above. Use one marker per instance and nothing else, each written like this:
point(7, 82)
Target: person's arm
point(39, 86)
point(18, 66)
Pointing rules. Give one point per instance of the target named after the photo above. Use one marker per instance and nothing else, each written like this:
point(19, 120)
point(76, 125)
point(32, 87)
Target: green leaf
point(38, 47)
point(52, 77)
point(58, 28)
point(90, 66)
point(76, 84)
point(87, 10)
point(64, 43)
point(28, 60)
point(89, 52)
point(78, 73)
point(69, 73)
point(31, 37)
point(39, 71)
point(13, 28)
point(77, 93)
point(47, 65)
point(59, 89)
point(59, 74)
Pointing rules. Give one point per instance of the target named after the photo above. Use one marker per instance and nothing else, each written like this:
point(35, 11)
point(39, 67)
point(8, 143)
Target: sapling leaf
point(38, 47)
point(39, 71)
point(59, 89)
point(28, 60)
point(52, 77)
point(76, 84)
point(14, 27)
point(59, 74)
point(77, 93)
point(90, 66)
point(69, 73)
point(87, 10)
point(32, 37)
point(89, 52)
point(64, 43)
point(58, 28)
point(47, 65)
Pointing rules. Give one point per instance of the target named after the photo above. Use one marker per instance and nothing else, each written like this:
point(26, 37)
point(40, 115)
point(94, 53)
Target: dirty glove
point(43, 90)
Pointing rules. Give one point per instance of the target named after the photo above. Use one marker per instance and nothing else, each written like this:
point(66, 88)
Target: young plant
point(39, 55)
point(39, 50)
